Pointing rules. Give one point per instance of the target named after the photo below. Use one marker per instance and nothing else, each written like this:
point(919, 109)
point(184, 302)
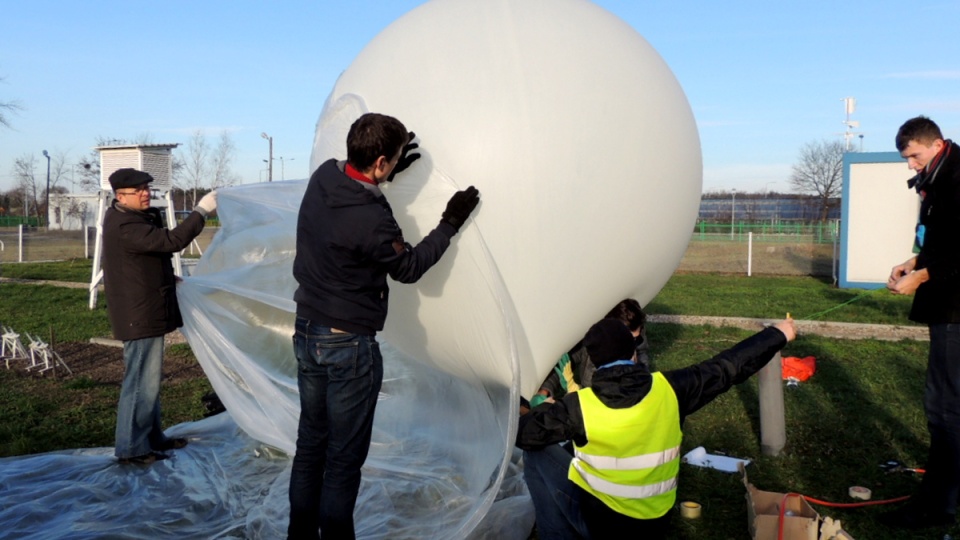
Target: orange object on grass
point(798, 368)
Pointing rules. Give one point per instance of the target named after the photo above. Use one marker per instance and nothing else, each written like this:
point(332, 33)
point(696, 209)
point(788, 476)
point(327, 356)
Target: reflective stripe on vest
point(632, 456)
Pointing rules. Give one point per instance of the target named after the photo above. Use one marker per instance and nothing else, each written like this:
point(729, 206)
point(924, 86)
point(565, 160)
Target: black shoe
point(171, 444)
point(146, 459)
point(911, 517)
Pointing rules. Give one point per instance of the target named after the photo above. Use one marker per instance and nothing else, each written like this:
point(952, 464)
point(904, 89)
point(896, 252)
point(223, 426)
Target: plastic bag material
point(798, 369)
point(442, 439)
point(224, 484)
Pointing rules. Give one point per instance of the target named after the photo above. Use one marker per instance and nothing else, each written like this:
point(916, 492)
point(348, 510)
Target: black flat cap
point(124, 178)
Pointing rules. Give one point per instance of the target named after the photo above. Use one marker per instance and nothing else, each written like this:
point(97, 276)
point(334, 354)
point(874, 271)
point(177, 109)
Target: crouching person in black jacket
point(621, 480)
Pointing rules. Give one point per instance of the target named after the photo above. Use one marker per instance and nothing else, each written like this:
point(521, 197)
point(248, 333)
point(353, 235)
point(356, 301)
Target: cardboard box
point(800, 522)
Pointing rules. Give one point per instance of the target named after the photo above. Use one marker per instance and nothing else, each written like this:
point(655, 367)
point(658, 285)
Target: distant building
point(752, 209)
point(72, 211)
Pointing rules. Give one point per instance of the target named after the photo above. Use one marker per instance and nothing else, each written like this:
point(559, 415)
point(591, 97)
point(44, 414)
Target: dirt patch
point(103, 364)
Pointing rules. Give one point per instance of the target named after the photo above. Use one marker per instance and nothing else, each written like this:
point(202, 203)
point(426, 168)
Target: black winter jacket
point(347, 244)
point(138, 272)
point(619, 387)
point(938, 299)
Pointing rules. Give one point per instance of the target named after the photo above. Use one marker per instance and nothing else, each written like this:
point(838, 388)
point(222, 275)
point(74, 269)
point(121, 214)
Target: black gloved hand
point(405, 159)
point(460, 206)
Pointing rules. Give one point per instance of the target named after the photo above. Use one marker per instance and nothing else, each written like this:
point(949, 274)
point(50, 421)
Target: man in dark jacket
point(347, 244)
point(934, 275)
point(142, 305)
point(626, 431)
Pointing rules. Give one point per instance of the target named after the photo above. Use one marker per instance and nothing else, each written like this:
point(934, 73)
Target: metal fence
point(780, 231)
point(13, 221)
point(789, 249)
point(36, 244)
point(748, 253)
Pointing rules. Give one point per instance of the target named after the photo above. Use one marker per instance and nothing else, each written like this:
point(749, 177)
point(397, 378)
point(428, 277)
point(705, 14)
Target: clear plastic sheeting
point(443, 432)
point(224, 484)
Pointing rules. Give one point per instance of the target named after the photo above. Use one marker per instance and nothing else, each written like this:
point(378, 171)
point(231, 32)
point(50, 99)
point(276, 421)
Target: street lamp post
point(733, 212)
point(283, 175)
point(47, 218)
point(270, 160)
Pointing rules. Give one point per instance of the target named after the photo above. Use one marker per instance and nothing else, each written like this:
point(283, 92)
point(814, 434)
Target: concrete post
point(773, 431)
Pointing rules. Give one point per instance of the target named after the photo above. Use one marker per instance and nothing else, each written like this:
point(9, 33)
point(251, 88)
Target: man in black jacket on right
point(621, 480)
point(933, 276)
point(347, 244)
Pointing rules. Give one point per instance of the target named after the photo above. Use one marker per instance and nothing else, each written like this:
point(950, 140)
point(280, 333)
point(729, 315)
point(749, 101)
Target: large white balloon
point(587, 159)
point(584, 150)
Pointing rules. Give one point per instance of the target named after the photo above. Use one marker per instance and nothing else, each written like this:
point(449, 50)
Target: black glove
point(405, 160)
point(460, 206)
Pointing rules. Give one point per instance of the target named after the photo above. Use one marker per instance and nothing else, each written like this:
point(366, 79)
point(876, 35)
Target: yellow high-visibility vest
point(632, 456)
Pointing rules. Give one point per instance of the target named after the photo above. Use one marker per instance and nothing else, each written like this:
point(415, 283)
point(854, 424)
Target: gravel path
point(820, 328)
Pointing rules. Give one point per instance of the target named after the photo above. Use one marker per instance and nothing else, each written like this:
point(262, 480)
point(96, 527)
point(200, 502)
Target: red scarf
point(357, 175)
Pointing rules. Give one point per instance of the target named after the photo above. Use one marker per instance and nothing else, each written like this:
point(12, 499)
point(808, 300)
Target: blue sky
point(762, 78)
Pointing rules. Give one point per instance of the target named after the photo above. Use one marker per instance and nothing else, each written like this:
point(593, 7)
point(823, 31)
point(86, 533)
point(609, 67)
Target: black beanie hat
point(124, 178)
point(608, 341)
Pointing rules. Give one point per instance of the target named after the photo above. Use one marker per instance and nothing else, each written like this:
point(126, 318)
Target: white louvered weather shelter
point(154, 159)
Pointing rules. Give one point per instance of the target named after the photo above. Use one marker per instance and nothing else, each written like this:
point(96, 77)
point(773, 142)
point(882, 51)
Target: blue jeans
point(940, 487)
point(556, 500)
point(339, 376)
point(138, 413)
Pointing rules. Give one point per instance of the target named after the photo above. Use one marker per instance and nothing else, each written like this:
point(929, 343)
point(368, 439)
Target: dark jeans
point(564, 511)
point(940, 487)
point(339, 376)
point(556, 500)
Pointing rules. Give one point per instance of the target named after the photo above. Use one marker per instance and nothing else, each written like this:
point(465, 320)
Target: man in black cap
point(621, 480)
point(142, 304)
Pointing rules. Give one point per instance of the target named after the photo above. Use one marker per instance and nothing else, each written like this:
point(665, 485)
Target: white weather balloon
point(587, 159)
point(585, 153)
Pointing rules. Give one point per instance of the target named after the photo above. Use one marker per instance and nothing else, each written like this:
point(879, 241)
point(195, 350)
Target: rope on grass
point(838, 306)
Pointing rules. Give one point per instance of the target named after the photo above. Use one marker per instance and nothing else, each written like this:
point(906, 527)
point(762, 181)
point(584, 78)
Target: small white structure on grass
point(878, 218)
point(73, 211)
point(154, 159)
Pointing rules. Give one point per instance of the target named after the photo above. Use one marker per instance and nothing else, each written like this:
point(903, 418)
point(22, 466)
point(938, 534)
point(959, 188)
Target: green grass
point(76, 270)
point(769, 297)
point(42, 309)
point(861, 408)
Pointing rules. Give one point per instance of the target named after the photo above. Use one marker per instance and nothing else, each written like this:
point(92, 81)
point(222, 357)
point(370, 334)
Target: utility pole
point(270, 158)
point(46, 219)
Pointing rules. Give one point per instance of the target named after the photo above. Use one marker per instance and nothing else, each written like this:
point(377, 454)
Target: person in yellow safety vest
point(620, 480)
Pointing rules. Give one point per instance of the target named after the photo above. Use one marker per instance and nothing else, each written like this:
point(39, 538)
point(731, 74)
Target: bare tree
point(8, 107)
point(24, 172)
point(195, 166)
point(221, 160)
point(819, 172)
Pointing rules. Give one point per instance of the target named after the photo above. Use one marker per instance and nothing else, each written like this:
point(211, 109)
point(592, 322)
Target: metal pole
point(749, 254)
point(270, 157)
point(46, 219)
point(733, 211)
point(20, 243)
